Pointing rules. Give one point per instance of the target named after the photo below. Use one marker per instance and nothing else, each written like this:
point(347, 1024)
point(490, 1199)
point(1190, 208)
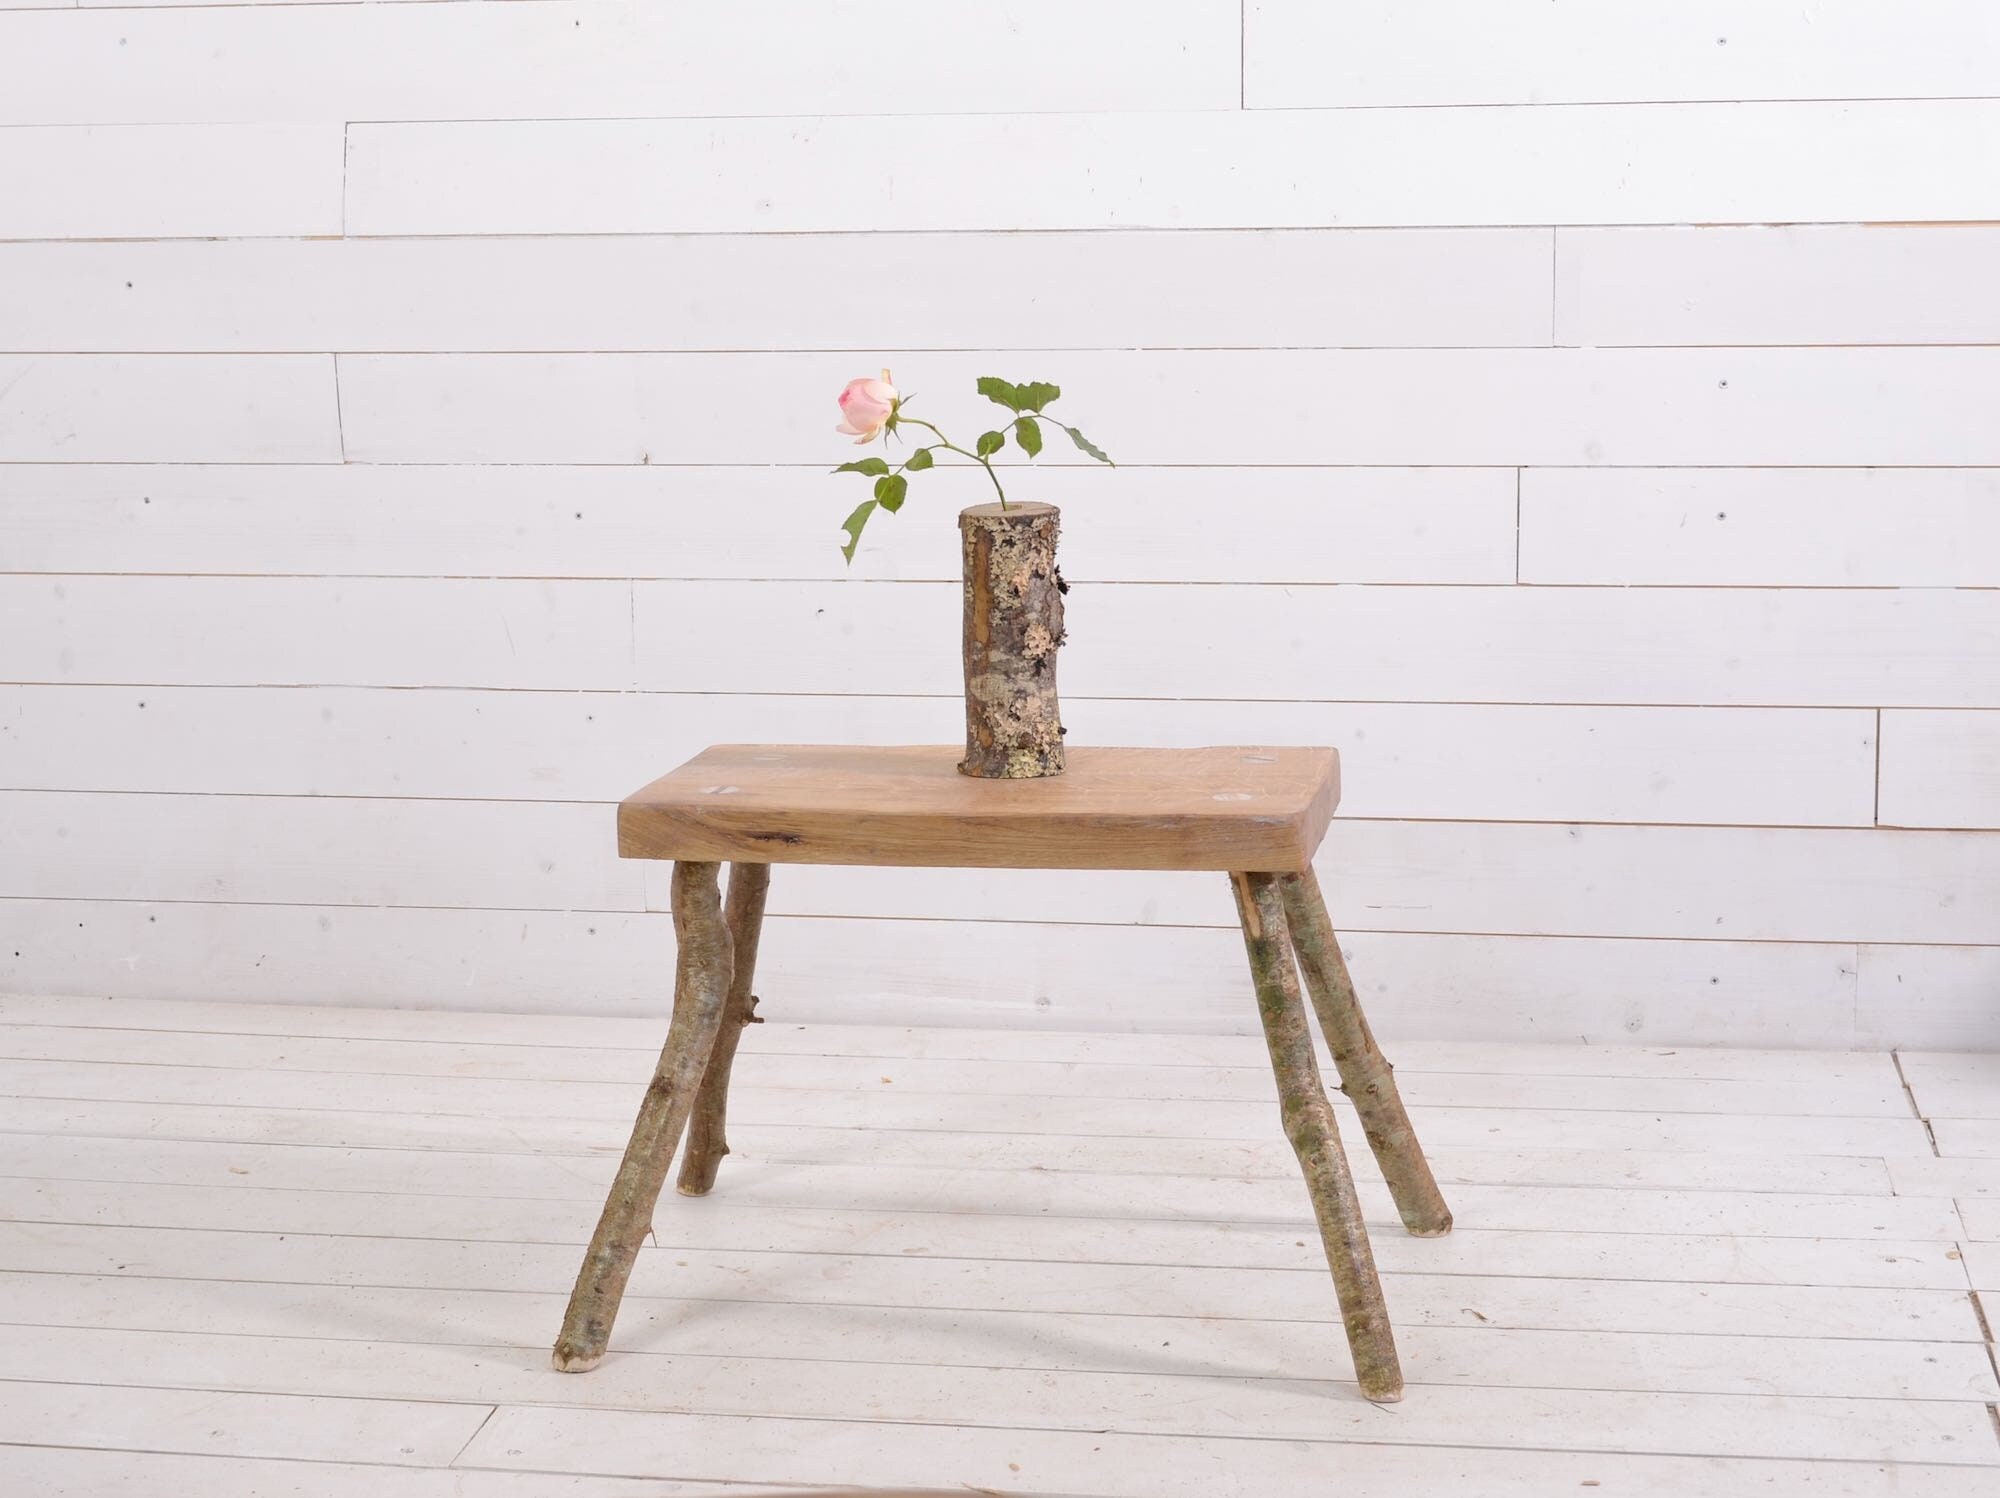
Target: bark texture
point(1315, 1137)
point(1365, 1074)
point(706, 1143)
point(1013, 626)
point(701, 987)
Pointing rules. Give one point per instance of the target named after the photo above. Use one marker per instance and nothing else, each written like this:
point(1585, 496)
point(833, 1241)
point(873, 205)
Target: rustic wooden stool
point(1255, 814)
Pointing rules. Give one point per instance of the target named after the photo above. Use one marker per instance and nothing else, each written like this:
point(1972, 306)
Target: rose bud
point(864, 406)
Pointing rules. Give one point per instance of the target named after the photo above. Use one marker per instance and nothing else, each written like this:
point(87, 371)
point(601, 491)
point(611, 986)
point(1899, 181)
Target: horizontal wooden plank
point(279, 630)
point(196, 408)
point(441, 1040)
point(1212, 1402)
point(1753, 884)
point(157, 181)
point(1813, 648)
point(1279, 1200)
point(1620, 646)
point(1953, 1084)
point(859, 1091)
point(1700, 163)
point(1215, 808)
point(185, 4)
point(113, 1139)
point(1967, 1138)
point(119, 1263)
point(1780, 884)
point(628, 1441)
point(136, 1474)
point(1298, 54)
point(408, 1433)
point(1940, 769)
point(1762, 527)
point(1928, 1175)
point(1216, 1173)
point(1258, 288)
point(1876, 1093)
point(1821, 407)
point(135, 1229)
point(1493, 1191)
point(1544, 1160)
point(115, 1316)
point(949, 972)
point(1837, 283)
point(592, 1117)
point(1210, 1270)
point(1444, 525)
point(1542, 1145)
point(182, 4)
point(588, 58)
point(424, 1031)
point(1799, 767)
point(1932, 996)
point(537, 855)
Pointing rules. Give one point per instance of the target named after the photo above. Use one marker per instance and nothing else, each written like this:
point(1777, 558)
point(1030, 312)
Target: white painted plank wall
point(1730, 646)
point(651, 292)
point(1595, 405)
point(598, 59)
point(1615, 164)
point(1369, 53)
point(140, 181)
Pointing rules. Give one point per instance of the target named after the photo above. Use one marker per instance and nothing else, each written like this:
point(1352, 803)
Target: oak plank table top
point(1253, 814)
point(1236, 809)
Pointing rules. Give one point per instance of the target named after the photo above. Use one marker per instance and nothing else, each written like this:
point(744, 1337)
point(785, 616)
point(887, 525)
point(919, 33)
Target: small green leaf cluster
point(1027, 401)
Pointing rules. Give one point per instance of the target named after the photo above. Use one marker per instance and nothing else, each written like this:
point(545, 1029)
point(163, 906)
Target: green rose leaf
point(853, 525)
point(1028, 432)
point(1086, 445)
point(1003, 392)
point(1037, 394)
point(874, 467)
point(990, 443)
point(889, 492)
point(919, 461)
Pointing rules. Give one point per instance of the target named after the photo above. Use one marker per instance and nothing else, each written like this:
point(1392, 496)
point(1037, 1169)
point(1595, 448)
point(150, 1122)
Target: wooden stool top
point(1251, 810)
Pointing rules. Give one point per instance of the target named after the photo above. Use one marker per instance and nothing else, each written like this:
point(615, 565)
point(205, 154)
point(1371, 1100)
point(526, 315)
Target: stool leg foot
point(701, 986)
point(1315, 1136)
point(1365, 1074)
point(706, 1142)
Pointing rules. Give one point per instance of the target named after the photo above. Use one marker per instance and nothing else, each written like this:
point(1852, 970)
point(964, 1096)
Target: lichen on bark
point(1013, 627)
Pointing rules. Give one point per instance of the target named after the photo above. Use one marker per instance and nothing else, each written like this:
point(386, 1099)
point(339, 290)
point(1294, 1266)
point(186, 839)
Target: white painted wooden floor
point(255, 1250)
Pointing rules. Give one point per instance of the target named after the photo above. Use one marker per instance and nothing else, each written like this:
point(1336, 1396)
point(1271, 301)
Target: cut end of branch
point(567, 1359)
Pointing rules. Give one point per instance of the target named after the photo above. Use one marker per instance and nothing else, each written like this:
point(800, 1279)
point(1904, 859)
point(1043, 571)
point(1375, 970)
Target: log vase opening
point(1013, 627)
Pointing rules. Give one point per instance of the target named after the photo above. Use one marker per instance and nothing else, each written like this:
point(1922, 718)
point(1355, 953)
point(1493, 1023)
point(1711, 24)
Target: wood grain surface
point(1251, 809)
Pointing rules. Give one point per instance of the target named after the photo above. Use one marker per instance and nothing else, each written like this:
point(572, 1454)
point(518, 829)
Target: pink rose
point(864, 406)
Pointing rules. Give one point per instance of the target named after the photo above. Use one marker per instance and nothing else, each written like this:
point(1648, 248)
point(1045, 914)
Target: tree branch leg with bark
point(702, 976)
point(706, 1143)
point(1315, 1137)
point(1365, 1074)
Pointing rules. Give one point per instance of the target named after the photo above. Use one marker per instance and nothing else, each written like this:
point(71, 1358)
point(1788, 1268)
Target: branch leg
point(701, 985)
point(1365, 1074)
point(706, 1144)
point(1315, 1136)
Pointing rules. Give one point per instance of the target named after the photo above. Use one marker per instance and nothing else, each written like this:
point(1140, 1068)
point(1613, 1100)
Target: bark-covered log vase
point(1013, 627)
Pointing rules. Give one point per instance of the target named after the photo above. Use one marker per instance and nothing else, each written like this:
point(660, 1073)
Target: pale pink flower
point(864, 406)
